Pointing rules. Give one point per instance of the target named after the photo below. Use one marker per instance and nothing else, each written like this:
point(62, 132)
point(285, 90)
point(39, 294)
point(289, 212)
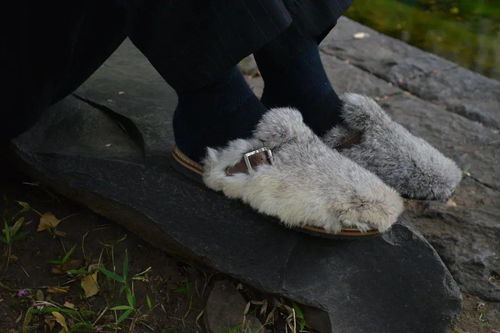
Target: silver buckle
point(269, 155)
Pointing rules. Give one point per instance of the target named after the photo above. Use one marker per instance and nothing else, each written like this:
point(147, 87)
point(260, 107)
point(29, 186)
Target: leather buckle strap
point(251, 160)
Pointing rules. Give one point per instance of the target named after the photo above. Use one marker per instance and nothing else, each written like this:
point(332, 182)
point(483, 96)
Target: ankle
point(298, 79)
point(214, 115)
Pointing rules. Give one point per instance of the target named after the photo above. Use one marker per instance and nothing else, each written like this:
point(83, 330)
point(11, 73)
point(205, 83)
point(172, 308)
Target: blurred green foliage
point(464, 31)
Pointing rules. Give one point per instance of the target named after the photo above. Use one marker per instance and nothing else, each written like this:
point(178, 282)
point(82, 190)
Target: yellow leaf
point(69, 305)
point(61, 321)
point(59, 233)
point(26, 322)
point(26, 206)
point(19, 223)
point(89, 285)
point(39, 295)
point(47, 221)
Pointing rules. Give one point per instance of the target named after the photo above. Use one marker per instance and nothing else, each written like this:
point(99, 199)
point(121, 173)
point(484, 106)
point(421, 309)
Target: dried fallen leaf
point(50, 323)
point(61, 321)
point(57, 270)
point(89, 284)
point(59, 233)
point(48, 221)
point(58, 290)
point(39, 295)
point(18, 319)
point(26, 322)
point(69, 265)
point(17, 225)
point(26, 206)
point(69, 305)
point(361, 35)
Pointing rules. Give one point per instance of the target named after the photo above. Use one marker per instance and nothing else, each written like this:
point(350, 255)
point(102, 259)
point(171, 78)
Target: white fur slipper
point(408, 163)
point(286, 171)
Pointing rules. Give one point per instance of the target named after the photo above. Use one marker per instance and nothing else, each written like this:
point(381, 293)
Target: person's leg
point(292, 68)
point(294, 76)
point(212, 115)
point(51, 50)
point(195, 46)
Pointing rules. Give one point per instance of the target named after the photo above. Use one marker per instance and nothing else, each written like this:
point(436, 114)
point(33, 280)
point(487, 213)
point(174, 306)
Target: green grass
point(64, 259)
point(12, 231)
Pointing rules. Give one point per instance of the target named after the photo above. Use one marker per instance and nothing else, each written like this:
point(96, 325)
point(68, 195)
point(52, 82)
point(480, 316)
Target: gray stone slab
point(466, 235)
point(117, 87)
point(109, 156)
point(347, 78)
point(423, 74)
point(465, 231)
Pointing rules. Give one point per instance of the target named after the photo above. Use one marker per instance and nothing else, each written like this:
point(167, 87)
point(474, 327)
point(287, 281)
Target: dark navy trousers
point(52, 47)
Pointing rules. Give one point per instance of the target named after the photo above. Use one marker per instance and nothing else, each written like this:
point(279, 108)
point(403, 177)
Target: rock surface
point(425, 75)
point(225, 310)
point(456, 110)
point(107, 147)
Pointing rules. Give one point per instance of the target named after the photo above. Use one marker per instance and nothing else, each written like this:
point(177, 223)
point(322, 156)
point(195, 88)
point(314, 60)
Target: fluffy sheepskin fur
point(405, 162)
point(308, 183)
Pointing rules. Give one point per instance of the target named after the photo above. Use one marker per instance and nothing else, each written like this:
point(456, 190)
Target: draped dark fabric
point(54, 46)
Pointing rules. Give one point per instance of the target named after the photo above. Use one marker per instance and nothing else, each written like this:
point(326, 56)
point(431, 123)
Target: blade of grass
point(124, 316)
point(111, 275)
point(121, 308)
point(20, 236)
point(6, 232)
point(68, 254)
point(131, 298)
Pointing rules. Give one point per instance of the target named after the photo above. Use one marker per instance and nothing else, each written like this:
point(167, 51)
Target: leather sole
point(194, 171)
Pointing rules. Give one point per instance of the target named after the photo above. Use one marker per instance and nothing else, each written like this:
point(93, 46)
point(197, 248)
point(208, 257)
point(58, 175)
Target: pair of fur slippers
point(347, 183)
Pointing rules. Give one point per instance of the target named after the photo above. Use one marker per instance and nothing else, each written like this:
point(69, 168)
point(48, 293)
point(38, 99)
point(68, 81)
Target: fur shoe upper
point(307, 184)
point(406, 162)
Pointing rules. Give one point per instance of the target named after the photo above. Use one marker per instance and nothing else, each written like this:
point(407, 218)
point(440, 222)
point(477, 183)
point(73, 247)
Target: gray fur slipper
point(408, 163)
point(286, 171)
